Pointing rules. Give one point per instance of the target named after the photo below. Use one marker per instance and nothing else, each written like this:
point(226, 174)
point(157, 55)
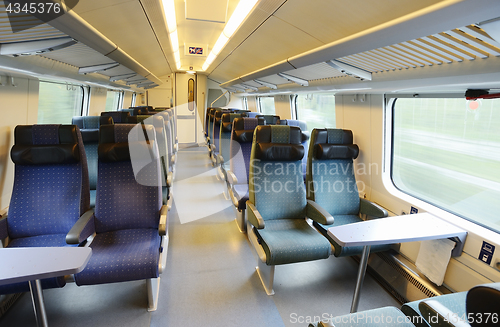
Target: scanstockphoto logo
point(43, 11)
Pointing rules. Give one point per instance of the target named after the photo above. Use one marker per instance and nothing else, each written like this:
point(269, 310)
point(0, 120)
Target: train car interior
point(249, 162)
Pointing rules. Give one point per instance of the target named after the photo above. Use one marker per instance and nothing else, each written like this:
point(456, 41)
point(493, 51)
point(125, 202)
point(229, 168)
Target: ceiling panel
point(336, 19)
point(313, 72)
point(275, 40)
point(126, 25)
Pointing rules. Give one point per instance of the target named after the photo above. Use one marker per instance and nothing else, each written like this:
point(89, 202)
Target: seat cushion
point(291, 240)
point(122, 255)
point(241, 194)
point(342, 251)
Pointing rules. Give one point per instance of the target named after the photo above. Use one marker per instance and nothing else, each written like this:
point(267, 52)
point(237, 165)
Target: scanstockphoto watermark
point(277, 177)
point(45, 11)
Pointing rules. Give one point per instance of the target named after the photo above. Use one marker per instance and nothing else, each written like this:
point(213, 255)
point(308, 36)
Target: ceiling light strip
point(243, 9)
point(169, 10)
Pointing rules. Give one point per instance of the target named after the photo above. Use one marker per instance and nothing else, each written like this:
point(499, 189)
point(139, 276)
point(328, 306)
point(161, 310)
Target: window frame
point(259, 105)
point(474, 228)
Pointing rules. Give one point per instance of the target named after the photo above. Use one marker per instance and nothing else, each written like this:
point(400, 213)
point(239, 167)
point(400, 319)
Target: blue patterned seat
point(169, 133)
point(134, 111)
point(277, 205)
point(51, 191)
point(332, 185)
point(226, 127)
point(239, 153)
point(119, 117)
point(130, 223)
point(217, 123)
point(89, 128)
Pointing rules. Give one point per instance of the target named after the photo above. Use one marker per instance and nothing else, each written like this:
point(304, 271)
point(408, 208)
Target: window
point(448, 155)
point(317, 110)
point(245, 103)
point(132, 103)
point(266, 105)
point(58, 103)
point(114, 100)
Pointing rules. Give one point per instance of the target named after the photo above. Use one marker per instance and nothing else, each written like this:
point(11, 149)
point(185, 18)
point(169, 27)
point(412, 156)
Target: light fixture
point(350, 70)
point(169, 9)
point(97, 68)
point(294, 79)
point(269, 85)
point(241, 12)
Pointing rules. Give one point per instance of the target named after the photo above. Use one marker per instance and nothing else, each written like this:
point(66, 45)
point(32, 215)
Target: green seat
point(277, 205)
point(331, 183)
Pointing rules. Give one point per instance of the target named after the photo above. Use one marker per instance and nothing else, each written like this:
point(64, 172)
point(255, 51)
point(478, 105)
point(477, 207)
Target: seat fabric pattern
point(140, 262)
point(239, 164)
point(291, 240)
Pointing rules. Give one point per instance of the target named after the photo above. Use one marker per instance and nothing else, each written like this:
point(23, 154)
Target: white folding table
point(391, 230)
point(32, 264)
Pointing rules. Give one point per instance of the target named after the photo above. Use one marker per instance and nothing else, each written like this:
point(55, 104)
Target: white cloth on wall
point(433, 259)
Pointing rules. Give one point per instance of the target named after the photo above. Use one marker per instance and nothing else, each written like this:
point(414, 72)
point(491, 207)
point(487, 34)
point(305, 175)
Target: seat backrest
point(207, 120)
point(241, 141)
point(252, 114)
point(124, 200)
point(483, 301)
point(270, 119)
point(226, 127)
point(305, 138)
point(119, 117)
point(276, 185)
point(51, 185)
point(330, 176)
point(89, 128)
point(134, 111)
point(217, 122)
point(211, 118)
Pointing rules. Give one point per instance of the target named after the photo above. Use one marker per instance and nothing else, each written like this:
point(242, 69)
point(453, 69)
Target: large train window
point(317, 110)
point(58, 103)
point(114, 100)
point(446, 151)
point(266, 105)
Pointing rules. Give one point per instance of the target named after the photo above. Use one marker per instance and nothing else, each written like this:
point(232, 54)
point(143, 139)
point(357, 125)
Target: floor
point(210, 279)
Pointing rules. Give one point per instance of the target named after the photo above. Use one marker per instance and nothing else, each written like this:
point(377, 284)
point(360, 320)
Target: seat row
point(50, 204)
point(480, 306)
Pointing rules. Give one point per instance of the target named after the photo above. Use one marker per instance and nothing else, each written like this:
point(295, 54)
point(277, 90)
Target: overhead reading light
point(350, 70)
point(249, 87)
point(294, 79)
point(121, 77)
point(169, 9)
point(29, 48)
point(269, 85)
point(241, 12)
point(97, 68)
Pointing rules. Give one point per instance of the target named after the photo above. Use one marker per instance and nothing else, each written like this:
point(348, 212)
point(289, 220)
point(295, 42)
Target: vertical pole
point(361, 276)
point(38, 305)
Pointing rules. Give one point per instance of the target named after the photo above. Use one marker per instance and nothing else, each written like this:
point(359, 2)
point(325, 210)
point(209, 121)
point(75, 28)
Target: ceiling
point(295, 37)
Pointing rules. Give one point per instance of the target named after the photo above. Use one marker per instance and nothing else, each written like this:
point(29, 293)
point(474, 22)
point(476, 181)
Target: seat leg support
point(266, 275)
point(241, 220)
point(153, 285)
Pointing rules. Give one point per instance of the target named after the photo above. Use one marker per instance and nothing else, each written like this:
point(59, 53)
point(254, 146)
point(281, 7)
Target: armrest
point(212, 147)
point(176, 146)
point(4, 233)
point(318, 214)
point(437, 315)
point(220, 159)
point(371, 209)
point(231, 177)
point(170, 177)
point(254, 216)
point(163, 226)
point(172, 160)
point(82, 229)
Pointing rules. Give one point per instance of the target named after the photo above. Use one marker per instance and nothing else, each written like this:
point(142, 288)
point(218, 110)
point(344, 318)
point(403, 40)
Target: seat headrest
point(45, 144)
point(247, 123)
point(278, 143)
point(115, 140)
point(89, 126)
point(270, 119)
point(119, 117)
point(482, 300)
point(333, 143)
point(227, 121)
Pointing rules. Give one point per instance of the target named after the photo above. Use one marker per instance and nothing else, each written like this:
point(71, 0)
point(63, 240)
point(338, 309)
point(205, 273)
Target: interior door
point(185, 108)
